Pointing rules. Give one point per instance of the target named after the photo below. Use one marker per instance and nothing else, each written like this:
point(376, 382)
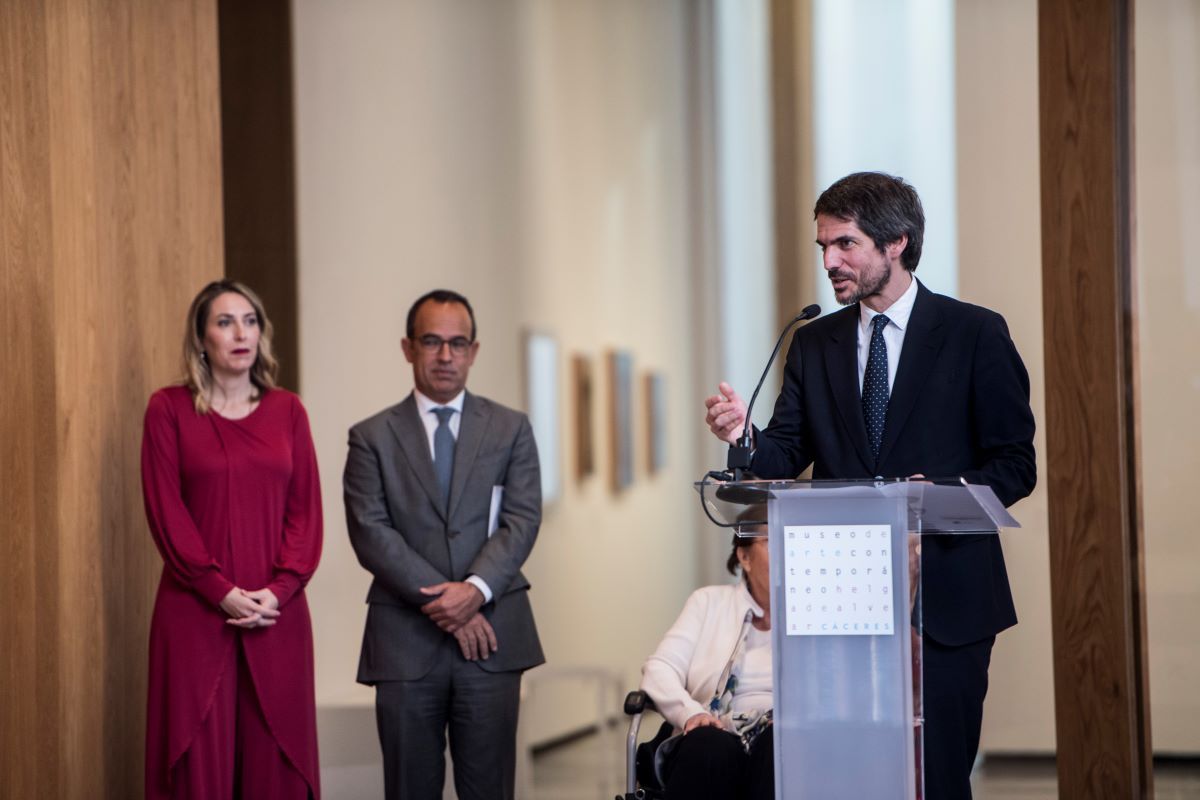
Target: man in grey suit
point(443, 503)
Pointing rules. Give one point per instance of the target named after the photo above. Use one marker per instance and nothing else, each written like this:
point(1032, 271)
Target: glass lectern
point(846, 622)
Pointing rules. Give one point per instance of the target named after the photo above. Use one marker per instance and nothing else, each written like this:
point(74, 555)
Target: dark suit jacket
point(404, 537)
point(959, 407)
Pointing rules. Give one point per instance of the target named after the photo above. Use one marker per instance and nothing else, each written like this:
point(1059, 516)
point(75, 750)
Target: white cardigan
point(682, 674)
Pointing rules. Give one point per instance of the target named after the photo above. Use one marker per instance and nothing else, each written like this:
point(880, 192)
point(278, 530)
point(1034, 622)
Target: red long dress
point(230, 503)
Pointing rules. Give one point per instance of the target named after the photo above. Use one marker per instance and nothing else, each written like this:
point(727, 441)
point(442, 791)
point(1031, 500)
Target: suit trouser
point(234, 754)
point(480, 710)
point(955, 684)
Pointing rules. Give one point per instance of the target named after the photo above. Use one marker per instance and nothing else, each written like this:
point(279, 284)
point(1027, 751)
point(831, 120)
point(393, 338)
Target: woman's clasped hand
point(257, 609)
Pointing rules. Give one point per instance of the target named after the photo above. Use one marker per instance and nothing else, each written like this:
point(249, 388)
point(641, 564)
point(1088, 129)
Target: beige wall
point(1000, 257)
point(1000, 267)
point(534, 155)
point(1167, 123)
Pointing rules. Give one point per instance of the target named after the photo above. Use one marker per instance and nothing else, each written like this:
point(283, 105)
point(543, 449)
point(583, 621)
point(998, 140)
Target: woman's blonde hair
point(197, 375)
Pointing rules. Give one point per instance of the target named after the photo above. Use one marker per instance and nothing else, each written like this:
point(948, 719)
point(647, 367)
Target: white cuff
point(480, 584)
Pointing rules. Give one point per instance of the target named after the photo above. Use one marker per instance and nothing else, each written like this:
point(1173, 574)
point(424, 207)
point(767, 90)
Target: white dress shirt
point(893, 333)
point(755, 689)
point(426, 408)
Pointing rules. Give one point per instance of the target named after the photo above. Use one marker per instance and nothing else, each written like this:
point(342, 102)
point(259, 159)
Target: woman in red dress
point(234, 504)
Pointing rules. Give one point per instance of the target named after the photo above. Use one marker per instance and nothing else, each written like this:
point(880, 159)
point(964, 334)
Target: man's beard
point(869, 283)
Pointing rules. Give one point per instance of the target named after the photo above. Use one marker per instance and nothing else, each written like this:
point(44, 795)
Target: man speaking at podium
point(906, 382)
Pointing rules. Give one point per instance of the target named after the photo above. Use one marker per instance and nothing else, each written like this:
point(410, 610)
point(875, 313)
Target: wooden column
point(110, 220)
point(791, 146)
point(1098, 598)
point(258, 158)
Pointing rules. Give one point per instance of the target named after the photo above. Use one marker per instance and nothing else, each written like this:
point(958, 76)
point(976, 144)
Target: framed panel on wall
point(620, 422)
point(582, 394)
point(656, 421)
point(542, 404)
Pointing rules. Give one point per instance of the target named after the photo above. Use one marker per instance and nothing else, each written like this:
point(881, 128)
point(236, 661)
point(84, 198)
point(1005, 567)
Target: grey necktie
point(875, 392)
point(443, 451)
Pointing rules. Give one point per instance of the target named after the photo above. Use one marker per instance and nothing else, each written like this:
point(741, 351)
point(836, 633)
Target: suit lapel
point(922, 342)
point(410, 434)
point(471, 431)
point(841, 364)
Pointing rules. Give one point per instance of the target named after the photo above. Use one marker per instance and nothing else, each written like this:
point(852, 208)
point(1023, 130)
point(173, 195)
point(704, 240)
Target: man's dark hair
point(437, 296)
point(883, 206)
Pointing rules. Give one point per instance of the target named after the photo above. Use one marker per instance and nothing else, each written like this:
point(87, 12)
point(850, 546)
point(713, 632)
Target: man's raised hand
point(726, 415)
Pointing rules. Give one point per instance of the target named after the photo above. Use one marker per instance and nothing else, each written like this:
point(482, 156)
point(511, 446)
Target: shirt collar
point(897, 313)
point(425, 405)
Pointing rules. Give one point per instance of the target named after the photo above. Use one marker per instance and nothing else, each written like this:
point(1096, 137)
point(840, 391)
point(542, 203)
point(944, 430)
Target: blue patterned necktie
point(443, 451)
point(875, 392)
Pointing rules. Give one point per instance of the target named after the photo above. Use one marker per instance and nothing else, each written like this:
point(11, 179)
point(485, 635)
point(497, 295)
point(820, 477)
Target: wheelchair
point(640, 781)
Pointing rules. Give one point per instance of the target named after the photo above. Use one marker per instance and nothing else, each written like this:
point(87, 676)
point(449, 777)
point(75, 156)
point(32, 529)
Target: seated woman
point(711, 678)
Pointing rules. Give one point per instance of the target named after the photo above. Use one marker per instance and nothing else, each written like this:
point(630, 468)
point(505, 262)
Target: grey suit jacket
point(404, 537)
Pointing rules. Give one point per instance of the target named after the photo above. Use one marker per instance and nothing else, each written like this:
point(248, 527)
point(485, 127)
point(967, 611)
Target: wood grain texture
point(1102, 701)
point(791, 131)
point(258, 163)
point(111, 220)
point(28, 481)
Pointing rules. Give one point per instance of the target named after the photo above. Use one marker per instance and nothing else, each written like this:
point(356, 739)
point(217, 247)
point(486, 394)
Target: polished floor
point(578, 771)
point(592, 768)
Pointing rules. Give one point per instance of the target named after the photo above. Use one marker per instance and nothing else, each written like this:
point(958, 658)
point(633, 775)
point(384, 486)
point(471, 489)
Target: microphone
point(740, 454)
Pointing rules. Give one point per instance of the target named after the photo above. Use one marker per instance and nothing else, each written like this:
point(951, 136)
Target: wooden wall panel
point(1097, 572)
point(791, 137)
point(258, 153)
point(110, 212)
point(28, 562)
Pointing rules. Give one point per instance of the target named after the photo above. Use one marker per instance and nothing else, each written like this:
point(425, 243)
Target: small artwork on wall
point(620, 382)
point(541, 401)
point(656, 421)
point(583, 402)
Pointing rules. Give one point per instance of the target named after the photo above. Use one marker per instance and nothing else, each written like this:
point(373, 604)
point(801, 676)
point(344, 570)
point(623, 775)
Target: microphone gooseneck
point(740, 454)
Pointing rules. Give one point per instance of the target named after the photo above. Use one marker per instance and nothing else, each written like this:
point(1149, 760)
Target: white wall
point(534, 155)
point(884, 99)
point(745, 199)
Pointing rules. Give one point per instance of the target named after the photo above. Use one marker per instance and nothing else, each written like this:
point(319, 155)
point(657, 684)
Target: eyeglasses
point(432, 343)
